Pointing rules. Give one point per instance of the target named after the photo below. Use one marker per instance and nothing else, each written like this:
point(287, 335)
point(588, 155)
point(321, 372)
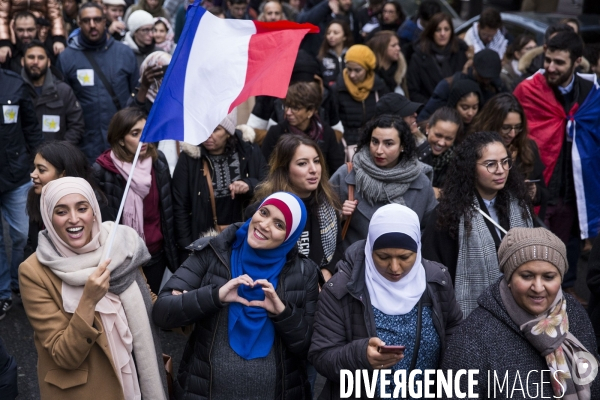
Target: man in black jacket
point(58, 111)
point(19, 137)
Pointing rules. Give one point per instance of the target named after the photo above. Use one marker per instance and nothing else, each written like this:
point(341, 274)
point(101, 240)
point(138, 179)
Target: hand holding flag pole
point(218, 64)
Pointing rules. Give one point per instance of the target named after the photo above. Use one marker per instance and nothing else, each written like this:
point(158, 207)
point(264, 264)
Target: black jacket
point(20, 134)
point(57, 100)
point(354, 114)
point(202, 275)
point(191, 199)
point(489, 340)
point(332, 150)
point(424, 72)
point(593, 283)
point(113, 186)
point(332, 67)
point(344, 321)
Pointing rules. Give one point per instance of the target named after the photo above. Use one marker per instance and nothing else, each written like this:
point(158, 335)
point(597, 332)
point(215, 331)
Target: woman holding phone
point(371, 306)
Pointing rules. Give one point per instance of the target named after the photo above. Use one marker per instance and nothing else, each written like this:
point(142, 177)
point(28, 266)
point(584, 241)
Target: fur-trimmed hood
point(528, 57)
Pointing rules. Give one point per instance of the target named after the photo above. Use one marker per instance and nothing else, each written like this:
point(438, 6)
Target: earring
point(122, 143)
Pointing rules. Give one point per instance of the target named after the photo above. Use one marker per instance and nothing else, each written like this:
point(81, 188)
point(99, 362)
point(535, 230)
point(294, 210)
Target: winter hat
point(396, 104)
point(230, 121)
point(487, 63)
point(114, 3)
point(139, 18)
point(521, 245)
point(305, 68)
point(461, 88)
point(362, 55)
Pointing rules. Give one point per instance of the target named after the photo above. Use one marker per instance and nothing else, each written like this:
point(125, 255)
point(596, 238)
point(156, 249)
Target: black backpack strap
point(102, 77)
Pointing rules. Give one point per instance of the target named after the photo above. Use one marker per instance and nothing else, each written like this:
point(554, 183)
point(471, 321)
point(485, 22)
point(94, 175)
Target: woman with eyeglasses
point(481, 200)
point(504, 114)
point(301, 113)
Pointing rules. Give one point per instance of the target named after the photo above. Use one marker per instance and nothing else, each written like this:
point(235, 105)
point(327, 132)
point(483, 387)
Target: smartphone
point(391, 349)
point(532, 181)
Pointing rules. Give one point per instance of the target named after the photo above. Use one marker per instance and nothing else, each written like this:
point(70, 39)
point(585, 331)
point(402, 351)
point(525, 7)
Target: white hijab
point(394, 298)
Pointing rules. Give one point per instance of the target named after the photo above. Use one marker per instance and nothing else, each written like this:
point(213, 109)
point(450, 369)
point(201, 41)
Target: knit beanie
point(521, 245)
point(362, 55)
point(139, 18)
point(461, 88)
point(230, 122)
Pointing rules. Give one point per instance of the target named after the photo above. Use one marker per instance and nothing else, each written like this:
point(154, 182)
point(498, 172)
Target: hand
point(238, 187)
point(97, 283)
point(228, 293)
point(150, 75)
point(437, 192)
point(326, 274)
point(58, 48)
point(116, 26)
point(177, 292)
point(348, 207)
point(5, 53)
point(335, 6)
point(381, 360)
point(272, 303)
point(532, 189)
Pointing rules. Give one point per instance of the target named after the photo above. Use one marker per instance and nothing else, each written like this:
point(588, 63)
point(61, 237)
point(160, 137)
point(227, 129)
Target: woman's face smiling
point(43, 173)
point(534, 286)
point(267, 228)
point(73, 219)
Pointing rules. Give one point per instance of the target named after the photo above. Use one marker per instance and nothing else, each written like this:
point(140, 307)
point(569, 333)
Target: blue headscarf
point(251, 332)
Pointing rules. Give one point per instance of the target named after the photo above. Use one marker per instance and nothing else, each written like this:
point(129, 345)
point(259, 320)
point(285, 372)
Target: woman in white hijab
point(92, 325)
point(384, 294)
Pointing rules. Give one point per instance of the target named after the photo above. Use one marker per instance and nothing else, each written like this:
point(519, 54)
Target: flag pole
point(113, 232)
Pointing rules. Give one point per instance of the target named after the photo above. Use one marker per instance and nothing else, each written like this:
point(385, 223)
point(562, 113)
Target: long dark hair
point(68, 160)
point(278, 179)
point(387, 121)
point(347, 32)
point(459, 187)
point(426, 38)
point(491, 118)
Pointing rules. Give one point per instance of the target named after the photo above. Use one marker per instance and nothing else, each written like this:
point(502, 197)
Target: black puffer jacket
point(202, 275)
point(354, 114)
point(344, 321)
point(424, 73)
point(489, 340)
point(113, 186)
point(191, 198)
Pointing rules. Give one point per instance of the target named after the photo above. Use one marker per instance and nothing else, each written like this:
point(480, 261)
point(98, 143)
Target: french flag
point(217, 65)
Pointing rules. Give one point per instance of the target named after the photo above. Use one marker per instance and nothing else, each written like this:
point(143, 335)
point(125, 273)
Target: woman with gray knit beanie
point(525, 326)
point(384, 170)
point(481, 199)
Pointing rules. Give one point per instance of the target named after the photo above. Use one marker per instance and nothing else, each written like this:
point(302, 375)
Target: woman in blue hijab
point(251, 298)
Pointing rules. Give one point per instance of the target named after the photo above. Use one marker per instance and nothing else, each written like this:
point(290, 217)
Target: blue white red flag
point(217, 65)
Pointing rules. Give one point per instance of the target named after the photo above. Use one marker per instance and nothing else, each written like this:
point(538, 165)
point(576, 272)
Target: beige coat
point(74, 360)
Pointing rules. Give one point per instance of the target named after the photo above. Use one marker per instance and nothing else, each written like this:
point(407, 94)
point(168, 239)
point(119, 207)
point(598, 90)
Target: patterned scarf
point(378, 185)
point(439, 164)
point(549, 334)
point(328, 227)
point(477, 264)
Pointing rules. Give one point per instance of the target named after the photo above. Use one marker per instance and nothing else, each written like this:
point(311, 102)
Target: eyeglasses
point(293, 109)
point(86, 21)
point(145, 31)
point(505, 129)
point(492, 166)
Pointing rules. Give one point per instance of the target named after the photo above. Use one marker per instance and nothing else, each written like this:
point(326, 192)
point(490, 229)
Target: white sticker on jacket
point(85, 77)
point(10, 114)
point(50, 123)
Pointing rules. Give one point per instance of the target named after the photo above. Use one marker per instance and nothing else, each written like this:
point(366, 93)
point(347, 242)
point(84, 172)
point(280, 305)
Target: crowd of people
point(415, 188)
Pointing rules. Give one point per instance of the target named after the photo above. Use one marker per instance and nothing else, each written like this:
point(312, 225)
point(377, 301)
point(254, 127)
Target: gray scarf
point(128, 254)
point(378, 185)
point(477, 264)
